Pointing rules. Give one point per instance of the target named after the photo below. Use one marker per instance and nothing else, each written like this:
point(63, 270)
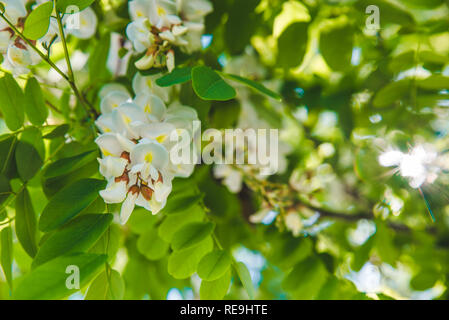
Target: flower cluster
point(18, 56)
point(136, 146)
point(160, 25)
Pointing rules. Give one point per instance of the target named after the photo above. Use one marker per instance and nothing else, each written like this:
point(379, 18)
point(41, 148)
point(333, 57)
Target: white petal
point(111, 87)
point(109, 145)
point(158, 131)
point(86, 24)
point(156, 206)
point(112, 167)
point(105, 123)
point(152, 153)
point(170, 61)
point(162, 190)
point(179, 30)
point(126, 144)
point(127, 207)
point(113, 100)
point(126, 114)
point(114, 192)
point(152, 105)
point(138, 9)
point(145, 63)
point(147, 85)
point(167, 35)
point(180, 111)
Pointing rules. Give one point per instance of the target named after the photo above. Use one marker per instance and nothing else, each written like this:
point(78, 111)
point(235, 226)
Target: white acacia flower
point(14, 10)
point(194, 10)
point(114, 99)
point(19, 57)
point(139, 32)
point(83, 24)
point(135, 145)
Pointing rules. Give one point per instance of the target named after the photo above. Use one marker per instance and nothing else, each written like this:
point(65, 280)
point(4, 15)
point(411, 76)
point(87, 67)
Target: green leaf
point(109, 243)
point(336, 44)
point(191, 234)
point(237, 35)
point(245, 278)
point(5, 188)
point(216, 289)
point(152, 246)
point(287, 251)
point(214, 265)
point(66, 165)
point(306, 278)
point(26, 223)
point(141, 221)
point(182, 264)
point(390, 13)
point(38, 21)
point(29, 159)
point(51, 186)
point(362, 254)
point(434, 82)
point(8, 166)
point(11, 102)
point(292, 45)
point(384, 243)
point(62, 5)
point(59, 131)
point(424, 280)
point(174, 222)
point(6, 254)
point(208, 85)
point(68, 202)
point(402, 61)
point(426, 4)
point(35, 108)
point(177, 76)
point(76, 236)
point(49, 281)
point(107, 286)
point(181, 203)
point(255, 85)
point(391, 93)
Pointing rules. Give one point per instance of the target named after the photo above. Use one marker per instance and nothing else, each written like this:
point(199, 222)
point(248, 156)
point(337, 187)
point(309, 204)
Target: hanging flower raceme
point(18, 56)
point(135, 143)
point(159, 26)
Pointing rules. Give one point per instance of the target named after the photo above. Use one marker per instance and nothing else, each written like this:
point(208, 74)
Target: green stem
point(71, 76)
point(64, 45)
